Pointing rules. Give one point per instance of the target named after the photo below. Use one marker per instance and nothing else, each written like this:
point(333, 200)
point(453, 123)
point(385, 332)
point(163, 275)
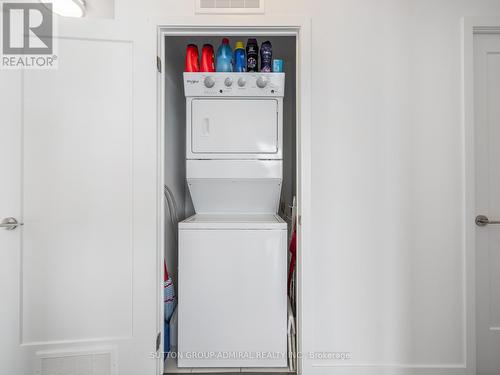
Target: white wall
point(387, 174)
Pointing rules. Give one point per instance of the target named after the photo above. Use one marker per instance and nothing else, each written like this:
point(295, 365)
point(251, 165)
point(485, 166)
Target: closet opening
point(230, 172)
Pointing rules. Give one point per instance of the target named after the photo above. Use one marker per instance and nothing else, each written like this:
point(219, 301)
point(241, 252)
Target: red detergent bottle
point(192, 64)
point(207, 58)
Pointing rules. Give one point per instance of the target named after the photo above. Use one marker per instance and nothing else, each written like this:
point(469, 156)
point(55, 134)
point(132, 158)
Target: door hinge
point(158, 64)
point(158, 341)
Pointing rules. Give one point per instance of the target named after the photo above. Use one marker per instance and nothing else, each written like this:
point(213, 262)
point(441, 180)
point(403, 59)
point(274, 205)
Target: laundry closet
point(230, 172)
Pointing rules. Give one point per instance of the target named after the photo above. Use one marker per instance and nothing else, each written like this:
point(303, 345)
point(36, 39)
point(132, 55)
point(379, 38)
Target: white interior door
point(78, 286)
point(487, 130)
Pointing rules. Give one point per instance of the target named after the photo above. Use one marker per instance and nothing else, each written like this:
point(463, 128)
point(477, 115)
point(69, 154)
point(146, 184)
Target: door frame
point(299, 27)
point(470, 27)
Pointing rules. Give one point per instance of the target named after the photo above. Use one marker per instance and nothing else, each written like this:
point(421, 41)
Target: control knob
point(242, 82)
point(228, 81)
point(209, 82)
point(261, 82)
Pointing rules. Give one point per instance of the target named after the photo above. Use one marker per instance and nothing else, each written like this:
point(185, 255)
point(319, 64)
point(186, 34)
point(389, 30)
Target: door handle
point(10, 223)
point(482, 221)
point(206, 127)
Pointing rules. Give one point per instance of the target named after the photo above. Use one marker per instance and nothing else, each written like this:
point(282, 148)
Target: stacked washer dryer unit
point(232, 252)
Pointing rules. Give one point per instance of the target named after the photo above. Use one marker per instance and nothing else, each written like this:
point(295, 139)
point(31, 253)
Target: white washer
point(232, 291)
point(233, 252)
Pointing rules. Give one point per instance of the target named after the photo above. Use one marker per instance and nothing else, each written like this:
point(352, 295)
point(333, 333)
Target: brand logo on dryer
point(193, 81)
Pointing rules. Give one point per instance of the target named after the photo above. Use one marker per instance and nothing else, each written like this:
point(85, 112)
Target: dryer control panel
point(234, 84)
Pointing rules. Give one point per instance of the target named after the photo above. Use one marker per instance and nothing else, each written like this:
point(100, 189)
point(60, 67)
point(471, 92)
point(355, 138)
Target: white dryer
point(233, 252)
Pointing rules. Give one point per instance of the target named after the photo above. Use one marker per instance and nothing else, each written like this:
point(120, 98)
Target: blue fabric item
point(170, 301)
point(166, 338)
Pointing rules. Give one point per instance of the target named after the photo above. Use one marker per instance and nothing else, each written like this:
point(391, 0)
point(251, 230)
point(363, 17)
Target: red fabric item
point(293, 257)
point(165, 273)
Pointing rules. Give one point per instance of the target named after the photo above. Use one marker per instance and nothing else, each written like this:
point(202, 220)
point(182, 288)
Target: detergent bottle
point(224, 62)
point(207, 58)
point(240, 59)
point(252, 55)
point(266, 57)
point(192, 64)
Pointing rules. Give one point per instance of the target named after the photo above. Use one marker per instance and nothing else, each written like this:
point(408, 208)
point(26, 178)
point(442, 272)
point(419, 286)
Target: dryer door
point(234, 127)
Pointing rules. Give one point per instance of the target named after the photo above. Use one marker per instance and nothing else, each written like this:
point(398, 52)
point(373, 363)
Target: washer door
point(234, 126)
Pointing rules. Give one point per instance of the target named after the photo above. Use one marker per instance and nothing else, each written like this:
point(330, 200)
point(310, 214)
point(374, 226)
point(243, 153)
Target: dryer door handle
point(205, 129)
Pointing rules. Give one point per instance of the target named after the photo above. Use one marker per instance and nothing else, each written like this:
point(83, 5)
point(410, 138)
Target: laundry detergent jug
point(224, 61)
point(240, 58)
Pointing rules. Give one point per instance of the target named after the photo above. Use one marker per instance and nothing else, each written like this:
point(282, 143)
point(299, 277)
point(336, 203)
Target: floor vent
point(230, 6)
point(93, 362)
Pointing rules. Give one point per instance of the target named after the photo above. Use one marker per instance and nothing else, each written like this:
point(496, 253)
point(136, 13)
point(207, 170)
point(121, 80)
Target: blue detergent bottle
point(240, 58)
point(224, 61)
